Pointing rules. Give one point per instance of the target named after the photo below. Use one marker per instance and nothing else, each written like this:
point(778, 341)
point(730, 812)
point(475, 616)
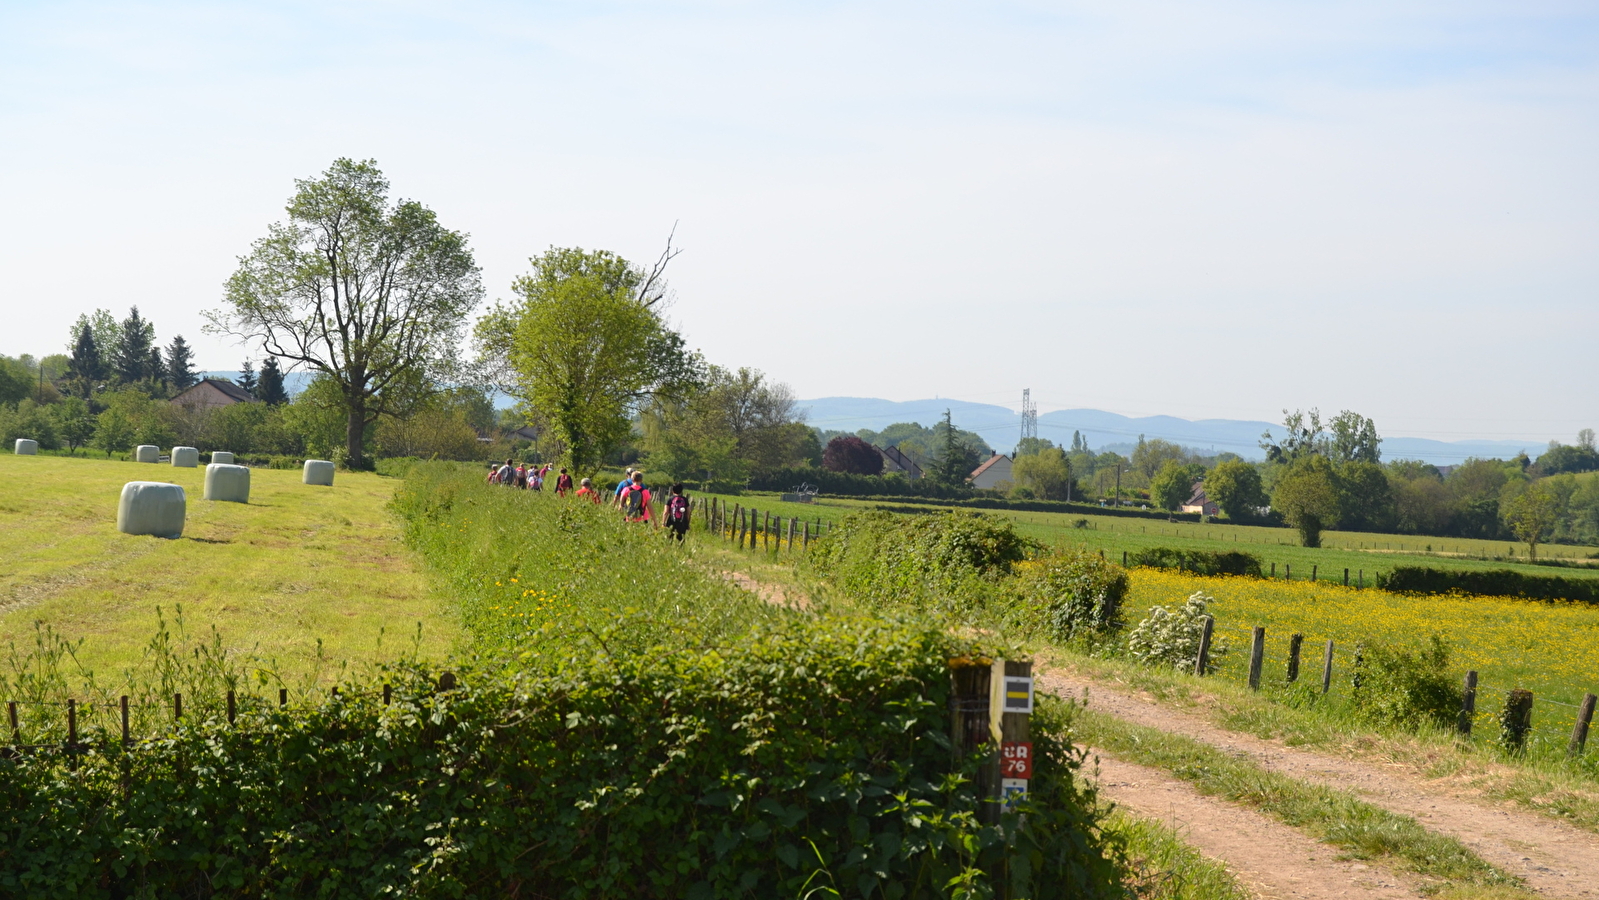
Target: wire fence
point(1549, 723)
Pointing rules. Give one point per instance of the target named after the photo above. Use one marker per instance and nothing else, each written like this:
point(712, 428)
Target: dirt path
point(1555, 859)
point(768, 592)
point(1270, 858)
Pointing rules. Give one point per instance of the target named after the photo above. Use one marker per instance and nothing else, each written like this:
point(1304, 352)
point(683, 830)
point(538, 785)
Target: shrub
point(1405, 689)
point(848, 453)
point(948, 560)
point(1492, 583)
point(1074, 593)
point(1171, 637)
point(1198, 562)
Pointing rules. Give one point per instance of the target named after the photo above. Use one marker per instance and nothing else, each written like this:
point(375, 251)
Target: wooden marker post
point(1202, 658)
point(124, 705)
point(1015, 727)
point(72, 724)
point(233, 708)
point(177, 706)
point(1295, 642)
point(1468, 705)
point(805, 539)
point(1518, 718)
point(16, 729)
point(1346, 578)
point(1326, 668)
point(1257, 656)
point(1579, 731)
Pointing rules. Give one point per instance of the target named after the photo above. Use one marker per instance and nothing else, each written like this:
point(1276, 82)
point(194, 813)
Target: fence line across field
point(1516, 718)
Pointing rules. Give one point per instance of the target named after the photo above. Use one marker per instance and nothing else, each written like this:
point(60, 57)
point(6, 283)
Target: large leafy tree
point(585, 347)
point(1235, 487)
point(1047, 473)
point(1532, 514)
point(1174, 483)
point(848, 453)
point(736, 421)
point(371, 294)
point(1307, 496)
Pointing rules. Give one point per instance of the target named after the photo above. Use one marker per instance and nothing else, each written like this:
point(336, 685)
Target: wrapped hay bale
point(229, 483)
point(185, 457)
point(26, 447)
point(222, 456)
point(318, 471)
point(151, 507)
point(147, 453)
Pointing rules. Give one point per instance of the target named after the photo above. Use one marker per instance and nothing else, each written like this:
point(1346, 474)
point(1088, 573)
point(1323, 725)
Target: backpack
point(633, 501)
point(677, 510)
point(507, 475)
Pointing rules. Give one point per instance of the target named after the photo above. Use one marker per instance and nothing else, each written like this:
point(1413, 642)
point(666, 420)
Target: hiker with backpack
point(635, 500)
point(563, 484)
point(586, 489)
point(624, 484)
point(507, 473)
point(678, 510)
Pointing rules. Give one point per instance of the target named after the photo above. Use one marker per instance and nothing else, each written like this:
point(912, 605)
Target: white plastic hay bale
point(151, 507)
point(225, 482)
point(26, 447)
point(185, 457)
point(147, 453)
point(318, 471)
point(222, 456)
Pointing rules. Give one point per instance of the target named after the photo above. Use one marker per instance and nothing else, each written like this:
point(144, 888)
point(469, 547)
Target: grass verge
point(1162, 867)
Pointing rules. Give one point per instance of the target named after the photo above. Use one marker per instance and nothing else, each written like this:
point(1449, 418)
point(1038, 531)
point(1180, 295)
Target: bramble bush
point(1403, 688)
point(1072, 594)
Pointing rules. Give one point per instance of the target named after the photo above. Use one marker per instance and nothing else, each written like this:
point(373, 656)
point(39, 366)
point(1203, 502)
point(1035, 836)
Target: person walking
point(507, 474)
point(635, 500)
point(678, 511)
point(563, 483)
point(624, 484)
point(586, 489)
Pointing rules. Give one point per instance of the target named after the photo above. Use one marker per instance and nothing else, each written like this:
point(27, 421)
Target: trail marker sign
point(1018, 694)
point(1011, 792)
point(1016, 759)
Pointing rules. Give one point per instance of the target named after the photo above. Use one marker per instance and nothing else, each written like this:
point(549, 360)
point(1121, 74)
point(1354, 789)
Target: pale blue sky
point(1203, 210)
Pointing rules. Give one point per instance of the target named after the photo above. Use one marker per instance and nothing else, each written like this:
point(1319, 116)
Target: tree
point(848, 453)
point(1030, 445)
point(1304, 435)
point(247, 379)
point(371, 294)
point(180, 364)
point(130, 356)
point(1173, 484)
point(1150, 456)
point(1365, 497)
point(74, 422)
point(1353, 438)
point(15, 382)
point(956, 459)
point(1532, 514)
point(586, 347)
point(1235, 486)
point(1047, 473)
point(1560, 458)
point(1307, 496)
point(269, 388)
point(155, 370)
point(86, 368)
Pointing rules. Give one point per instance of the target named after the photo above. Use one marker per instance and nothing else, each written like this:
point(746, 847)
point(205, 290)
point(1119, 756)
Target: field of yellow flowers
point(1544, 647)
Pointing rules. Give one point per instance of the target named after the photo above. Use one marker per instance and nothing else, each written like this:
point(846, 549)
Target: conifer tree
point(180, 364)
point(247, 377)
point(269, 388)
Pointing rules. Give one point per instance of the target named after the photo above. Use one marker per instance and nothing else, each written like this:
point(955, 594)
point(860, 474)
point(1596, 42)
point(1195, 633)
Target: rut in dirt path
point(1555, 859)
point(1268, 857)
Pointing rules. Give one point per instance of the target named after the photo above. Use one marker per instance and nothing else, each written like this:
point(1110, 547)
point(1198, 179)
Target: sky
point(1211, 210)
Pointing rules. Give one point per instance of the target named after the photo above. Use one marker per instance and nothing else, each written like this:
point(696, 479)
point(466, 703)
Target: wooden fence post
point(766, 533)
point(1326, 668)
point(233, 708)
point(1517, 722)
point(791, 534)
point(124, 705)
point(1257, 656)
point(969, 725)
point(72, 723)
point(16, 729)
point(1468, 705)
point(177, 706)
point(1362, 582)
point(1346, 578)
point(1274, 570)
point(805, 539)
point(1295, 642)
point(1312, 573)
point(1288, 571)
point(388, 694)
point(1579, 731)
point(1202, 658)
point(283, 696)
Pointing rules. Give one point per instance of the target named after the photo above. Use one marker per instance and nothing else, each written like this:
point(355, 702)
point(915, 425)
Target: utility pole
point(1118, 485)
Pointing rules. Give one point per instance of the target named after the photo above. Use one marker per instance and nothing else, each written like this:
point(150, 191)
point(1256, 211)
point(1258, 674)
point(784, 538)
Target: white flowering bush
point(1171, 637)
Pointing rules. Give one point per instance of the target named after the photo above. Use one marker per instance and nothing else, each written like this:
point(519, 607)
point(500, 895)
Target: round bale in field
point(147, 453)
point(318, 471)
point(222, 456)
point(185, 457)
point(26, 447)
point(151, 507)
point(225, 482)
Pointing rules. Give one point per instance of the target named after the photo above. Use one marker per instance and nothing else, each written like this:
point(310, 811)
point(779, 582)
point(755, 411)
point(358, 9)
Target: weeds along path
point(1272, 859)
point(1556, 860)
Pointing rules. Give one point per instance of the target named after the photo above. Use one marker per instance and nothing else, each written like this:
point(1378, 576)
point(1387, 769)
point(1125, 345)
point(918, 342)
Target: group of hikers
point(630, 495)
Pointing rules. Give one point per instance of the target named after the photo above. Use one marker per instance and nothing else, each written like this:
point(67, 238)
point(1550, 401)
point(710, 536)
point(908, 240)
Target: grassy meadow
point(309, 577)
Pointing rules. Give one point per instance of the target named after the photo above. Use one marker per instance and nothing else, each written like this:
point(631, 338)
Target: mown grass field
point(295, 569)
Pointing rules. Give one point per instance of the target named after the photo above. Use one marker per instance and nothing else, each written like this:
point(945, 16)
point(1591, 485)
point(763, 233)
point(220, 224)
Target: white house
point(994, 470)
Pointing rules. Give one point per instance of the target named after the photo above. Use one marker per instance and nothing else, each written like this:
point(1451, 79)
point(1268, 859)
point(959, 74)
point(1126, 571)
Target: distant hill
point(1001, 426)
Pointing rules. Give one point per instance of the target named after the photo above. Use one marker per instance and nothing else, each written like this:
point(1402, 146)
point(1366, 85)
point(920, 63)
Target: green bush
point(1493, 583)
point(1073, 594)
point(948, 561)
point(1198, 562)
point(633, 727)
point(1171, 637)
point(1405, 689)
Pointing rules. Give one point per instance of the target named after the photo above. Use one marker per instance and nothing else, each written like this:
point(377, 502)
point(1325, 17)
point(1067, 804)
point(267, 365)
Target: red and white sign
point(1016, 759)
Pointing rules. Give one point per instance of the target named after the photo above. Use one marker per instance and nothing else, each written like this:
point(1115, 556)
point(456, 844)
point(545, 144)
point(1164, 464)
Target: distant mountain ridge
point(1001, 427)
